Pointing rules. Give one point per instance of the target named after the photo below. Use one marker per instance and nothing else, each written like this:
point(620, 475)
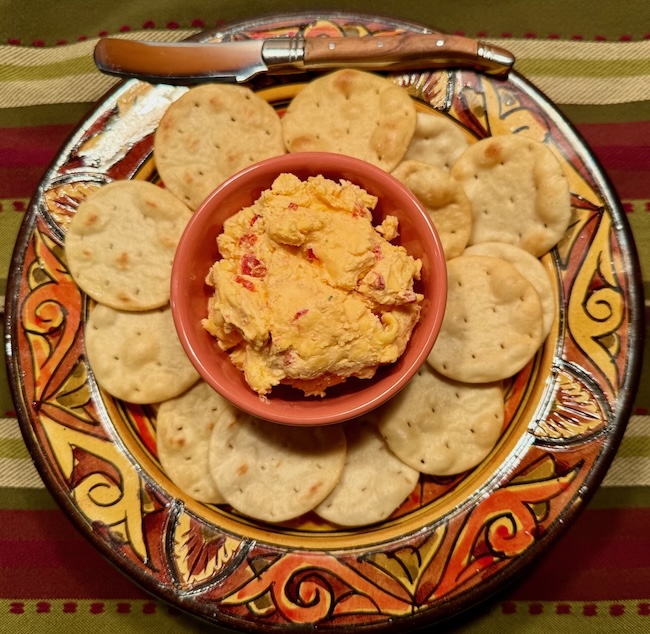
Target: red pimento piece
point(248, 240)
point(408, 296)
point(247, 284)
point(253, 220)
point(379, 283)
point(293, 206)
point(359, 211)
point(289, 356)
point(300, 314)
point(251, 266)
point(311, 256)
point(377, 251)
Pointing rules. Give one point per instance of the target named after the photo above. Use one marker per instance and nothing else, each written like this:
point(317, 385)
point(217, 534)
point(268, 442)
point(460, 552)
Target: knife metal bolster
point(284, 54)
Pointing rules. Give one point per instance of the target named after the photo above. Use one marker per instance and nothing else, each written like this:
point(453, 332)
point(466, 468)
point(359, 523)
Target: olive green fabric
point(564, 19)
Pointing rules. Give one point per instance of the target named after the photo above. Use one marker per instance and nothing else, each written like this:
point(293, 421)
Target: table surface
point(593, 62)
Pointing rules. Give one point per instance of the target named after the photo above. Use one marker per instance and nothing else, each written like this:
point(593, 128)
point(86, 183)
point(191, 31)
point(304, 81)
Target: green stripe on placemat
point(583, 68)
point(55, 70)
point(6, 403)
point(637, 216)
point(612, 497)
point(550, 17)
point(614, 72)
point(98, 616)
point(577, 617)
point(43, 115)
point(630, 448)
point(606, 497)
point(27, 499)
point(73, 113)
point(611, 113)
point(628, 477)
point(528, 64)
point(642, 399)
point(13, 448)
point(10, 221)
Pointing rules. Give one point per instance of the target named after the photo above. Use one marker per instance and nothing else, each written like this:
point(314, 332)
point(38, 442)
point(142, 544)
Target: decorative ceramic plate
point(455, 541)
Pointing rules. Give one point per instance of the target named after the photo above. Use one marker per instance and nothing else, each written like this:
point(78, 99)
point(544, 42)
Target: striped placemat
point(602, 83)
point(589, 73)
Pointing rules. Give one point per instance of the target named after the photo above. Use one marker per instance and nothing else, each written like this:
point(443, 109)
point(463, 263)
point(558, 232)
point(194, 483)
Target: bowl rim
point(318, 411)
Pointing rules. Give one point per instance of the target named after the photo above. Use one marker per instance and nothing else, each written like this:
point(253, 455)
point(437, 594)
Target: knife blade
point(239, 61)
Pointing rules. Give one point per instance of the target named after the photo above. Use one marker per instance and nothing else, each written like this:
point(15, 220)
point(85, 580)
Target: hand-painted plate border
point(455, 541)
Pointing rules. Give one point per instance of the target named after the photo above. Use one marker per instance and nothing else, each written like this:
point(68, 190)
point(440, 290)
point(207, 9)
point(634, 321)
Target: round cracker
point(351, 112)
point(441, 426)
point(274, 472)
point(493, 321)
point(518, 191)
point(137, 356)
point(445, 201)
point(530, 267)
point(209, 134)
point(120, 244)
point(184, 426)
point(374, 481)
point(437, 141)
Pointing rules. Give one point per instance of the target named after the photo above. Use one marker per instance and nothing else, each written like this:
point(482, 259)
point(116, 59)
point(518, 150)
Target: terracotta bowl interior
point(197, 251)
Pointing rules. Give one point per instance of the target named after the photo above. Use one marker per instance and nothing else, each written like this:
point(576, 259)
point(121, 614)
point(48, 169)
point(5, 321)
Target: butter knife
point(190, 62)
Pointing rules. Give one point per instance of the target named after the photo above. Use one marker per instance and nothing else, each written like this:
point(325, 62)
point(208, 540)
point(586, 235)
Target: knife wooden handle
point(404, 51)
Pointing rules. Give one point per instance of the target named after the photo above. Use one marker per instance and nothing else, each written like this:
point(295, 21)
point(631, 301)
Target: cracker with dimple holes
point(183, 430)
point(137, 356)
point(374, 481)
point(351, 112)
point(493, 321)
point(274, 472)
point(518, 191)
point(440, 426)
point(443, 198)
point(437, 140)
point(120, 244)
point(209, 134)
point(530, 267)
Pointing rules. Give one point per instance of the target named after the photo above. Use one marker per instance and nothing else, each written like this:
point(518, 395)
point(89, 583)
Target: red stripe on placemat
point(33, 525)
point(623, 149)
point(43, 556)
point(44, 140)
point(625, 133)
point(623, 157)
point(604, 556)
point(25, 153)
point(26, 147)
point(630, 184)
point(68, 581)
point(20, 183)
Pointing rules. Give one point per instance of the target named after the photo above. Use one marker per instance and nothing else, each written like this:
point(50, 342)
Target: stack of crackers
point(498, 204)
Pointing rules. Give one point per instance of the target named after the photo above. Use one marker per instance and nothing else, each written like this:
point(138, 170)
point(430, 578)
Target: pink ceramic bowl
point(197, 251)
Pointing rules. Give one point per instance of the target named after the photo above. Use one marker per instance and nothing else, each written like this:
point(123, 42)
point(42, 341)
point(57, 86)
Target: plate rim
point(499, 580)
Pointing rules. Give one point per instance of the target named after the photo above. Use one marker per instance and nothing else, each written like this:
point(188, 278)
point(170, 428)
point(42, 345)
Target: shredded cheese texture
point(307, 291)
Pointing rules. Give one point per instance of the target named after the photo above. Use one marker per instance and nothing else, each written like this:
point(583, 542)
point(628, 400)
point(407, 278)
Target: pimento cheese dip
point(307, 291)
